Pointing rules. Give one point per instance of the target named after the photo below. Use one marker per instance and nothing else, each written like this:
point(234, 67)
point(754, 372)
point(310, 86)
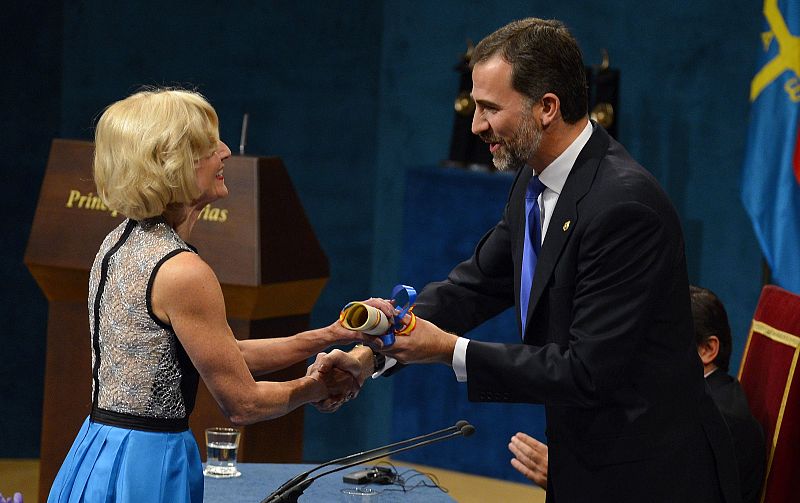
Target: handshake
point(342, 374)
point(375, 322)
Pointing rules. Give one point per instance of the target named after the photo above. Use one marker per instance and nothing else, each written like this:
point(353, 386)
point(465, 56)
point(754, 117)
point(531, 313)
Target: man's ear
point(709, 349)
point(551, 109)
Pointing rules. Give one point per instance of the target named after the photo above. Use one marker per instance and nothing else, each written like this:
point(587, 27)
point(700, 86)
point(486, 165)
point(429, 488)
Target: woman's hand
point(340, 373)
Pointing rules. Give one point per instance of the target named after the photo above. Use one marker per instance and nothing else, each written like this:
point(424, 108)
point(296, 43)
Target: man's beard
point(517, 150)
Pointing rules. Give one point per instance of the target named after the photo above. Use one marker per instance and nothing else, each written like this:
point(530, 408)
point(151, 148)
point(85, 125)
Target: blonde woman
point(157, 315)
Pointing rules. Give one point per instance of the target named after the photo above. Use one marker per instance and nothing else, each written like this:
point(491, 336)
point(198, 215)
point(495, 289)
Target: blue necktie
point(531, 247)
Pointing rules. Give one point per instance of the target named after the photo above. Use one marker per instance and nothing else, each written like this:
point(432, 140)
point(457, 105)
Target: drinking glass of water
point(221, 447)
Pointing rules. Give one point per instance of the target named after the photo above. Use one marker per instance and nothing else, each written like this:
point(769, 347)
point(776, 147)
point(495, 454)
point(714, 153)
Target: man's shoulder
point(618, 178)
point(721, 379)
point(728, 395)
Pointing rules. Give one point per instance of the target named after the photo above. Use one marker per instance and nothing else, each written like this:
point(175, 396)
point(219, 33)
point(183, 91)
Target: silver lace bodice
point(138, 363)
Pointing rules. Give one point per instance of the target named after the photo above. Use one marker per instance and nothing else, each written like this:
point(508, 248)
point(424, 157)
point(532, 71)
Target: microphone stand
point(289, 493)
point(302, 476)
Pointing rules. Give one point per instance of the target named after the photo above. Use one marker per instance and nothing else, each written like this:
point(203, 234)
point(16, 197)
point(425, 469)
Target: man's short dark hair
point(710, 318)
point(544, 58)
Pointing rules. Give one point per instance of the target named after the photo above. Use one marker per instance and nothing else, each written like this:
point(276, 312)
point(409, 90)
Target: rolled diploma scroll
point(363, 318)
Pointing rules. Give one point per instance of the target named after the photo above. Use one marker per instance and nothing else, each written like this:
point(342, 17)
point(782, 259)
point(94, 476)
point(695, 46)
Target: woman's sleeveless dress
point(136, 445)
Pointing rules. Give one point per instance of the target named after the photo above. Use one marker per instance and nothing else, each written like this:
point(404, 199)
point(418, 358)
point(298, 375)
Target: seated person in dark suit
point(714, 345)
point(713, 335)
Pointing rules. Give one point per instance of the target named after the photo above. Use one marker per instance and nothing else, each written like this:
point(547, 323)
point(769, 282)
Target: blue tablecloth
point(259, 480)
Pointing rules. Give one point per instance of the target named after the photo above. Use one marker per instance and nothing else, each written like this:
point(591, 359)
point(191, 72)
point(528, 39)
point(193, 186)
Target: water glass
point(221, 447)
point(360, 495)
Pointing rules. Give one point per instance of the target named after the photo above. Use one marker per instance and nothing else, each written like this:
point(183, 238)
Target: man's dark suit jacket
point(748, 436)
point(609, 345)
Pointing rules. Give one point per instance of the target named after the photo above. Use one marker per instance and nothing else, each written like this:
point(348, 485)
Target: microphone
point(291, 490)
point(243, 137)
point(302, 476)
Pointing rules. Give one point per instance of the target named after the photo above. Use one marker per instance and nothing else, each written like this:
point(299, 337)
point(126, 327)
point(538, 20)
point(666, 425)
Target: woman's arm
point(269, 355)
point(186, 294)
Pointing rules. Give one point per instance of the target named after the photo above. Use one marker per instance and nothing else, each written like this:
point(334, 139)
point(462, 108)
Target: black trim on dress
point(142, 423)
point(149, 293)
point(98, 296)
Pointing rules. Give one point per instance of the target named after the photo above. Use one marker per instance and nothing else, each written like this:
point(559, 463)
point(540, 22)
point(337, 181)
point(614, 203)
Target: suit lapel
point(565, 215)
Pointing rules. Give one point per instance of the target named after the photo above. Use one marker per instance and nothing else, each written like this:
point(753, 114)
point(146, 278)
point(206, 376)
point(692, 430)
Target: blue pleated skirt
point(108, 463)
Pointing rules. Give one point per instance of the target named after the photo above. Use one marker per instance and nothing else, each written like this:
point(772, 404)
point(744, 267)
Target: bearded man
point(590, 252)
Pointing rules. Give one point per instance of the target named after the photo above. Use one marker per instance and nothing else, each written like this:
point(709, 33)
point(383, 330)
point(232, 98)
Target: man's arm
point(626, 256)
point(477, 289)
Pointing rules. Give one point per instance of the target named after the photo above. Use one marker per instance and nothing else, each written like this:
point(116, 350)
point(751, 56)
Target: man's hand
point(530, 458)
point(358, 364)
point(427, 343)
point(340, 373)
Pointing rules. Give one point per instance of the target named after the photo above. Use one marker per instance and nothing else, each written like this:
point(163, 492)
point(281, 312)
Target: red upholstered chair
point(771, 381)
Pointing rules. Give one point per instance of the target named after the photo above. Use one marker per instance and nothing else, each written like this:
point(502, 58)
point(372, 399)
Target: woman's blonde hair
point(147, 147)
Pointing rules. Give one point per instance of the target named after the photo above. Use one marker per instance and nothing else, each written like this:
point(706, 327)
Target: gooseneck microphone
point(302, 476)
point(291, 490)
point(243, 138)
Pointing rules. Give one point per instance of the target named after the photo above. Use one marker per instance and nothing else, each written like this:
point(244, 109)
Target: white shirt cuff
point(460, 359)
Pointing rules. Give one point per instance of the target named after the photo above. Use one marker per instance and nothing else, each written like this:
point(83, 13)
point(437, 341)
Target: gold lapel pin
point(566, 225)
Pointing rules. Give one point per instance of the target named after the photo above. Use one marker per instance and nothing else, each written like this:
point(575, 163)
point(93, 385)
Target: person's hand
point(16, 498)
point(426, 343)
point(358, 362)
point(341, 373)
point(384, 306)
point(335, 334)
point(530, 458)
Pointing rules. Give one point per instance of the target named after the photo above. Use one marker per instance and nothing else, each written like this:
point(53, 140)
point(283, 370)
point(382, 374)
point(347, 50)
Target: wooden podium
point(258, 241)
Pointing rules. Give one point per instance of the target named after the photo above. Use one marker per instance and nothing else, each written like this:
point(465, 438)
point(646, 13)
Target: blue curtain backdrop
point(352, 95)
